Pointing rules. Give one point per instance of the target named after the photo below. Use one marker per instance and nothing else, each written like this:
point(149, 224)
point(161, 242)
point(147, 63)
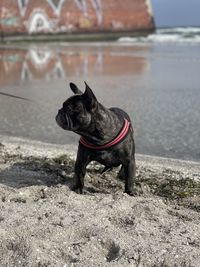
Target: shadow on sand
point(21, 172)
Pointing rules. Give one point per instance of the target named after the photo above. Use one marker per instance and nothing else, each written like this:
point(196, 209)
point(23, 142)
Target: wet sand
point(158, 85)
point(43, 223)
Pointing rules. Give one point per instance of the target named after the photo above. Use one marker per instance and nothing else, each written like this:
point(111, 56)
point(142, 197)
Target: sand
point(43, 223)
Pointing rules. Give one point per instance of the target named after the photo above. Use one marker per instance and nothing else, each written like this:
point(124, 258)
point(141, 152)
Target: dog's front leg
point(80, 170)
point(129, 172)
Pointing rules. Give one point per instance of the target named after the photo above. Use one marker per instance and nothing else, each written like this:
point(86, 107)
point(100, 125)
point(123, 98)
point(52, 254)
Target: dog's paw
point(77, 189)
point(130, 192)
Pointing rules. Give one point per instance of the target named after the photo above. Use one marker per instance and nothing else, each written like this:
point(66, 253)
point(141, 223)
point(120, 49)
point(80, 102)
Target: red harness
point(115, 141)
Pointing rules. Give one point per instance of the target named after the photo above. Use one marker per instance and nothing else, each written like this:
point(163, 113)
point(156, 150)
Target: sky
point(176, 12)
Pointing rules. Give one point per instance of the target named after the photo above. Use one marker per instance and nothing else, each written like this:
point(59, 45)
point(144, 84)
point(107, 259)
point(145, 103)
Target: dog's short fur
point(84, 115)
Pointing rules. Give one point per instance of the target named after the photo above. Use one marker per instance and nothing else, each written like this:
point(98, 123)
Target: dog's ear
point(75, 89)
point(89, 97)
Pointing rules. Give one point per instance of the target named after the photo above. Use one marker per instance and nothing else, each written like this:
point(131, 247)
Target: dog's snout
point(59, 114)
point(60, 111)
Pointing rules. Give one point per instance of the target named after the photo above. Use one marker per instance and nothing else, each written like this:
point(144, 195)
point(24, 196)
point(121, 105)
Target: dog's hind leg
point(129, 172)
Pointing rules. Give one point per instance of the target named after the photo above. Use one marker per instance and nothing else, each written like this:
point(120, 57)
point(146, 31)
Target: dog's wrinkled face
point(76, 113)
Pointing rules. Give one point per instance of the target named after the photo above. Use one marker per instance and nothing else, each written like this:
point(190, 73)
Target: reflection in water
point(49, 63)
point(41, 73)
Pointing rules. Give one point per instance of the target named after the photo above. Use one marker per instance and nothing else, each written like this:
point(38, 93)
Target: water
point(157, 83)
point(169, 35)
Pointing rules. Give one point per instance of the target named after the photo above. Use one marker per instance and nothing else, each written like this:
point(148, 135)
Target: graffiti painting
point(39, 22)
point(74, 16)
point(56, 6)
point(23, 4)
point(98, 9)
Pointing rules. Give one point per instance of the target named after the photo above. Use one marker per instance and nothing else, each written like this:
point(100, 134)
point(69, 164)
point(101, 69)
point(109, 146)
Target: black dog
point(106, 136)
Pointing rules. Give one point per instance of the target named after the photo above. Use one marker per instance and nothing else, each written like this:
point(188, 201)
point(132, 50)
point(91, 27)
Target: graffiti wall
point(74, 16)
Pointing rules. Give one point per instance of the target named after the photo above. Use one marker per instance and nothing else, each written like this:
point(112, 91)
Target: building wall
point(74, 16)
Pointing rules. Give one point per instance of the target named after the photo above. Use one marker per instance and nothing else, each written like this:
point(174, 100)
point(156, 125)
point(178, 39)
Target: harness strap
point(115, 141)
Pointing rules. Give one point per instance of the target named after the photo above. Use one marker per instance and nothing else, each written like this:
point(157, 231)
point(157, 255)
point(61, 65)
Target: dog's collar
point(122, 134)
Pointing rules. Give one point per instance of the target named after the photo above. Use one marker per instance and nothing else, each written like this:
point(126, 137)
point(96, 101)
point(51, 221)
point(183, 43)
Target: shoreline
point(73, 37)
point(71, 151)
point(44, 223)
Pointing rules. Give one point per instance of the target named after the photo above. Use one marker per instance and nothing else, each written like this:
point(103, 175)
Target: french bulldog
point(106, 136)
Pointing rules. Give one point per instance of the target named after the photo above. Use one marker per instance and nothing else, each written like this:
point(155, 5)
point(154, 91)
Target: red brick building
point(74, 16)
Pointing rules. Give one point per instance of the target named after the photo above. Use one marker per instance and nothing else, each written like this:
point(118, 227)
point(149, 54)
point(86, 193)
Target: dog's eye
point(78, 108)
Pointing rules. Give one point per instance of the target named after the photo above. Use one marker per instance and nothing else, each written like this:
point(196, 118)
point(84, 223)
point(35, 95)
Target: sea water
point(168, 35)
point(156, 79)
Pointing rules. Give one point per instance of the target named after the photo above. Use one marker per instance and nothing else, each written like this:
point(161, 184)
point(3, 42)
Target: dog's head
point(77, 111)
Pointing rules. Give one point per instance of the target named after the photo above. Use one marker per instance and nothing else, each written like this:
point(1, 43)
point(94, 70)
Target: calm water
point(158, 84)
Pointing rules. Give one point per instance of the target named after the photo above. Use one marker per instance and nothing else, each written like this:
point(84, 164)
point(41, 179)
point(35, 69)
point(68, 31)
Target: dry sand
point(43, 223)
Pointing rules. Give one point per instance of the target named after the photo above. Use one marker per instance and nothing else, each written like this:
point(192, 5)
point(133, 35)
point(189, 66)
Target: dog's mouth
point(63, 121)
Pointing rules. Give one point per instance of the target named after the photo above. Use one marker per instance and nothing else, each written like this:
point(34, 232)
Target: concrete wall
point(74, 16)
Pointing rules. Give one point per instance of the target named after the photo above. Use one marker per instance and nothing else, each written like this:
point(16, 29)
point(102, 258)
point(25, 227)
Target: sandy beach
point(43, 223)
